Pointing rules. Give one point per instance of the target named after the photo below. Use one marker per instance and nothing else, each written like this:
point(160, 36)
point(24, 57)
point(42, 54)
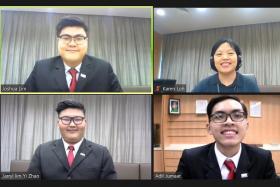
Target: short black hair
point(219, 99)
point(231, 43)
point(70, 21)
point(69, 104)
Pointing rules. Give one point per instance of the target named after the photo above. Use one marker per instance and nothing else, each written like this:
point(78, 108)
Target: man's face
point(72, 133)
point(229, 133)
point(225, 59)
point(72, 52)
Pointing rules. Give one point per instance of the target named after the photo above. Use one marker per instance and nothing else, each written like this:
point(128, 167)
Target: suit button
point(69, 177)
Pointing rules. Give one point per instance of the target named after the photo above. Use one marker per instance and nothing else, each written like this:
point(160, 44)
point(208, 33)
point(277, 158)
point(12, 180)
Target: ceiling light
point(201, 9)
point(160, 12)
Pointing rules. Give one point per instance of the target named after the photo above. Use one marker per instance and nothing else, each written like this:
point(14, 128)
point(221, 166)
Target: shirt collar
point(76, 145)
point(221, 157)
point(67, 68)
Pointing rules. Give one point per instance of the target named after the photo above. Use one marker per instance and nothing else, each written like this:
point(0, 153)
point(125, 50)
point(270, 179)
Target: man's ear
point(247, 125)
point(208, 128)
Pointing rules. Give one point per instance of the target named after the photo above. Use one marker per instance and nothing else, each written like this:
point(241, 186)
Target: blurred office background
point(184, 38)
point(122, 123)
point(121, 36)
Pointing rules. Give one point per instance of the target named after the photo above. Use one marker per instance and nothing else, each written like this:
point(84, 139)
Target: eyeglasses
point(221, 117)
point(67, 120)
point(66, 39)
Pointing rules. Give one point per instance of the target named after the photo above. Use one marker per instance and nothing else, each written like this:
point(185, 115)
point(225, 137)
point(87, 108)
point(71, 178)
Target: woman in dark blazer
point(226, 60)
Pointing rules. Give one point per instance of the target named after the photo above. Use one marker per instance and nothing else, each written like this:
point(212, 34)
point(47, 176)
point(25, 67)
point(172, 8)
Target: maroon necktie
point(231, 167)
point(70, 156)
point(73, 83)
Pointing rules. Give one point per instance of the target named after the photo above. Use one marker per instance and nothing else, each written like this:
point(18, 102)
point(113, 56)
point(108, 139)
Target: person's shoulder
point(49, 60)
point(198, 152)
point(209, 79)
point(256, 151)
point(246, 79)
point(48, 63)
point(95, 146)
point(204, 84)
point(249, 83)
point(95, 60)
point(48, 144)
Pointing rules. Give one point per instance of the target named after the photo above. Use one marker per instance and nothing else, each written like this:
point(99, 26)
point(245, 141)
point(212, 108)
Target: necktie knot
point(73, 72)
point(229, 164)
point(231, 167)
point(73, 82)
point(71, 147)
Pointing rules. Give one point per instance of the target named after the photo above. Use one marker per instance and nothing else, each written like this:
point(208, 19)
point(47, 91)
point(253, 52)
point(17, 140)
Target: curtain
point(31, 36)
point(186, 55)
point(122, 123)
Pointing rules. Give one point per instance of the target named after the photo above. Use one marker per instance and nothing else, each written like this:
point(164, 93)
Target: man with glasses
point(227, 158)
point(73, 70)
point(72, 156)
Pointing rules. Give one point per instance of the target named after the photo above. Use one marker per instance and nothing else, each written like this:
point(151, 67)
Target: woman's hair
point(232, 44)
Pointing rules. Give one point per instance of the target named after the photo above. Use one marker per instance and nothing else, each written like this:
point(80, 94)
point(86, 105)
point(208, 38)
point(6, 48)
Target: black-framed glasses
point(66, 120)
point(77, 39)
point(221, 117)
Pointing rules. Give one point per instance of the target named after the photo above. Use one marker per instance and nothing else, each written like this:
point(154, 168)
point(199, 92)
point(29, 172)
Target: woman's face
point(225, 59)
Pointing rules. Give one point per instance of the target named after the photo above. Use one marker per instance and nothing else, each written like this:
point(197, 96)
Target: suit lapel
point(86, 70)
point(59, 75)
point(212, 169)
point(59, 150)
point(244, 165)
point(82, 153)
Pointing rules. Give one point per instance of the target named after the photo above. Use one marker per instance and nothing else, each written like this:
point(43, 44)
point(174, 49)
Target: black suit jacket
point(49, 76)
point(201, 163)
point(92, 161)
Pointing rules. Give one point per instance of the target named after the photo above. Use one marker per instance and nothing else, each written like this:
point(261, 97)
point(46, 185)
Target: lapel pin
point(244, 175)
point(82, 154)
point(83, 75)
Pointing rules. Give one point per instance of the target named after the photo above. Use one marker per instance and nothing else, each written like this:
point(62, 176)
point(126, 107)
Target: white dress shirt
point(221, 159)
point(76, 146)
point(69, 76)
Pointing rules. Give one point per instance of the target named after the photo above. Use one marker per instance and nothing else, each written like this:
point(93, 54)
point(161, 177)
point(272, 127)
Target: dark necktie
point(231, 167)
point(70, 156)
point(73, 82)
